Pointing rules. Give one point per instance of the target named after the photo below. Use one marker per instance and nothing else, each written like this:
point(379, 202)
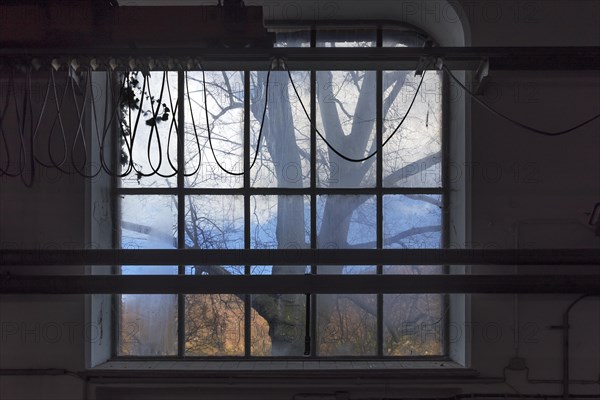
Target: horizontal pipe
point(406, 58)
point(36, 372)
point(303, 257)
point(282, 284)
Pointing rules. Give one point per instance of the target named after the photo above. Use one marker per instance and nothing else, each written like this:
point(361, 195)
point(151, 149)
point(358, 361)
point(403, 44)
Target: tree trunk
point(284, 313)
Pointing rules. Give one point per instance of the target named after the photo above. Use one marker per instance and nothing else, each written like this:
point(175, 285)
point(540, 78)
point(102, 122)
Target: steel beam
point(282, 284)
point(407, 58)
point(554, 257)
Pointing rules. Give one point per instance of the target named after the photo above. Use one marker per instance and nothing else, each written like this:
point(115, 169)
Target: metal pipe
point(37, 372)
point(294, 284)
point(522, 257)
point(307, 339)
point(565, 330)
point(385, 58)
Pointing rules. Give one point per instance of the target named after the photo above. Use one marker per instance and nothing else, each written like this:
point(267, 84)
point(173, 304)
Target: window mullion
point(313, 193)
point(247, 297)
point(116, 220)
point(445, 89)
point(180, 207)
point(379, 185)
point(313, 203)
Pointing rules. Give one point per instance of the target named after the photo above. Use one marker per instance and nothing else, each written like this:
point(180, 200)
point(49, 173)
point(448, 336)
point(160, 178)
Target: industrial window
point(271, 161)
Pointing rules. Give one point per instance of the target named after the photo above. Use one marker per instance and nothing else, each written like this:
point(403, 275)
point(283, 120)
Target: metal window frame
point(313, 191)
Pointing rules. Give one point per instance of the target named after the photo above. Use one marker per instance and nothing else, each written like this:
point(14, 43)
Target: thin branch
point(423, 197)
point(399, 236)
point(371, 309)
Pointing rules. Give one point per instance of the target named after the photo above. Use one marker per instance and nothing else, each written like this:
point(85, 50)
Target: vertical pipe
point(307, 327)
point(565, 331)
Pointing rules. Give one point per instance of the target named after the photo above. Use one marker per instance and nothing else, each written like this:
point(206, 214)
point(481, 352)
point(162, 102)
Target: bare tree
point(346, 112)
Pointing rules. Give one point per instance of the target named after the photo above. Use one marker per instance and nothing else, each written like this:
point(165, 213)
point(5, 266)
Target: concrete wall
point(522, 190)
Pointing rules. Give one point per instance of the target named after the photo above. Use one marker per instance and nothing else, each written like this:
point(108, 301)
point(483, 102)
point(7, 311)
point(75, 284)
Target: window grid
point(313, 191)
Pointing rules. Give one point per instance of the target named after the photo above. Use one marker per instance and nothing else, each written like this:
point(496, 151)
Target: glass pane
point(346, 323)
point(414, 324)
point(346, 37)
point(148, 322)
point(279, 222)
point(214, 270)
point(278, 324)
point(153, 137)
point(402, 38)
point(284, 155)
point(214, 325)
point(291, 38)
point(412, 221)
point(346, 221)
point(225, 109)
point(214, 222)
point(148, 222)
point(279, 269)
point(346, 115)
point(412, 157)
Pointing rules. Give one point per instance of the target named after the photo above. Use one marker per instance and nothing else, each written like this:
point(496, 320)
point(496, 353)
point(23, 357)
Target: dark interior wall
point(525, 191)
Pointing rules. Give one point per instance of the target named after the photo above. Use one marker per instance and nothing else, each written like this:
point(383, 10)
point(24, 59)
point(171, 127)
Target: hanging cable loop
point(44, 135)
point(260, 133)
point(330, 146)
point(509, 119)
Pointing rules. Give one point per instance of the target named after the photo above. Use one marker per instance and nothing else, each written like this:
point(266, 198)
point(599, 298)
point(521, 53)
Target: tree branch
point(399, 236)
point(371, 309)
point(414, 168)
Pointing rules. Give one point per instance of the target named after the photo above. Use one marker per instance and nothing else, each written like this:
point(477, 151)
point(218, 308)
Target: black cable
point(152, 128)
point(129, 138)
point(12, 90)
point(23, 123)
point(187, 89)
point(42, 111)
point(94, 115)
point(331, 147)
point(512, 121)
point(116, 103)
point(80, 130)
point(41, 116)
point(58, 118)
point(173, 111)
point(260, 132)
point(2, 132)
point(80, 114)
point(132, 130)
point(21, 127)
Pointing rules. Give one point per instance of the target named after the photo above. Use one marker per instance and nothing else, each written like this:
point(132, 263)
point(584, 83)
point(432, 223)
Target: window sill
point(376, 369)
